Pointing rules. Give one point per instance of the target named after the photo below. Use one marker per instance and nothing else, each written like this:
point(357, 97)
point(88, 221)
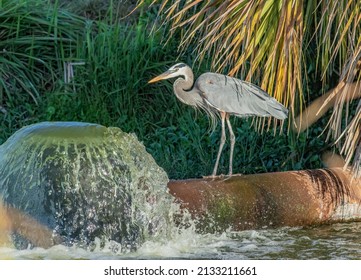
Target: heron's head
point(176, 70)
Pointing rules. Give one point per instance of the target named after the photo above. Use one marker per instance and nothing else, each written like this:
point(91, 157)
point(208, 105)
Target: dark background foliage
point(117, 57)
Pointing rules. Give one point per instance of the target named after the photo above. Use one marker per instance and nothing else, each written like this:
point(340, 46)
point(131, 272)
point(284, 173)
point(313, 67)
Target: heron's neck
point(184, 92)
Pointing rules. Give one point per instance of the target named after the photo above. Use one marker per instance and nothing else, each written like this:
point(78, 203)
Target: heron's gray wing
point(238, 97)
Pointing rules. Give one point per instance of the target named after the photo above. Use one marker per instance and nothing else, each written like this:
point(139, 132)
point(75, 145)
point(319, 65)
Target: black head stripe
point(181, 65)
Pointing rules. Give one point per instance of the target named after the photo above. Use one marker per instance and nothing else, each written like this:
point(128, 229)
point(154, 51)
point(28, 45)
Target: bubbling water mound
point(85, 181)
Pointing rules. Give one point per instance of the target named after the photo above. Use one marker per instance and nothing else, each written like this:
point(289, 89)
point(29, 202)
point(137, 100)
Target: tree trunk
point(294, 198)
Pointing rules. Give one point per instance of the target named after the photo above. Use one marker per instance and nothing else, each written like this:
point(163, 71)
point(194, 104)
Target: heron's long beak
point(162, 76)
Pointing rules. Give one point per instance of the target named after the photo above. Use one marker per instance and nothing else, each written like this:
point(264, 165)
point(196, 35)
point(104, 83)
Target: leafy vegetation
point(112, 59)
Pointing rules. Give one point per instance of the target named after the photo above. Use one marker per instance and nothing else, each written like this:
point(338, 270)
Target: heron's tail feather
point(277, 110)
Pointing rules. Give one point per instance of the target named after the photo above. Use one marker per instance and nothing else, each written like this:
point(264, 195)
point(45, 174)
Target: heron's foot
point(214, 176)
point(221, 176)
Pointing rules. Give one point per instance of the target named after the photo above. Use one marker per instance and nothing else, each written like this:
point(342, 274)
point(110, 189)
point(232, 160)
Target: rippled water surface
point(337, 241)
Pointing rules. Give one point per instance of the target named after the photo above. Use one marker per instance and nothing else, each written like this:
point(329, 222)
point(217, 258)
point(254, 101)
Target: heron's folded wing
point(238, 97)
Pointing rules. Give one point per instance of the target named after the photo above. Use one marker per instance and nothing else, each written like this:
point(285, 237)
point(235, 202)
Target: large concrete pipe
point(294, 198)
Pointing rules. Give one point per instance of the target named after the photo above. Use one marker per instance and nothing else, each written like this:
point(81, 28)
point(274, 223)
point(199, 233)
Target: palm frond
point(342, 54)
point(352, 144)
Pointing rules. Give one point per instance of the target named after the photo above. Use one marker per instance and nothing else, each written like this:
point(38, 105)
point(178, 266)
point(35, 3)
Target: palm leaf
point(345, 54)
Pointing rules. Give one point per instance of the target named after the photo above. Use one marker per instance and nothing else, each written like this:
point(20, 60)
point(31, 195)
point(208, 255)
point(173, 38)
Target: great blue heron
point(214, 92)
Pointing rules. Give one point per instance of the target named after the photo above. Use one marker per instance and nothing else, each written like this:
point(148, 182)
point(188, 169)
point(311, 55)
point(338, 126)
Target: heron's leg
point(221, 144)
point(232, 140)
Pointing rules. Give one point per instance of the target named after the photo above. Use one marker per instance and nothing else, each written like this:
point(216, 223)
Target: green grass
point(111, 89)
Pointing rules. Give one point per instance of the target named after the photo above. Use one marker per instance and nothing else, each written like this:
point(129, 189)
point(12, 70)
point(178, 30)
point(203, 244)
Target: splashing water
point(87, 183)
point(336, 241)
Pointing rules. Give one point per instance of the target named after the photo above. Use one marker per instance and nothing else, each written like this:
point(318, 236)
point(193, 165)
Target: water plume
point(86, 182)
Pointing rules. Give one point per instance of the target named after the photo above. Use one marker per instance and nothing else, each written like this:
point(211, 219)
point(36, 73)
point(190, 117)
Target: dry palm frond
point(349, 140)
point(352, 144)
point(341, 52)
point(322, 104)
